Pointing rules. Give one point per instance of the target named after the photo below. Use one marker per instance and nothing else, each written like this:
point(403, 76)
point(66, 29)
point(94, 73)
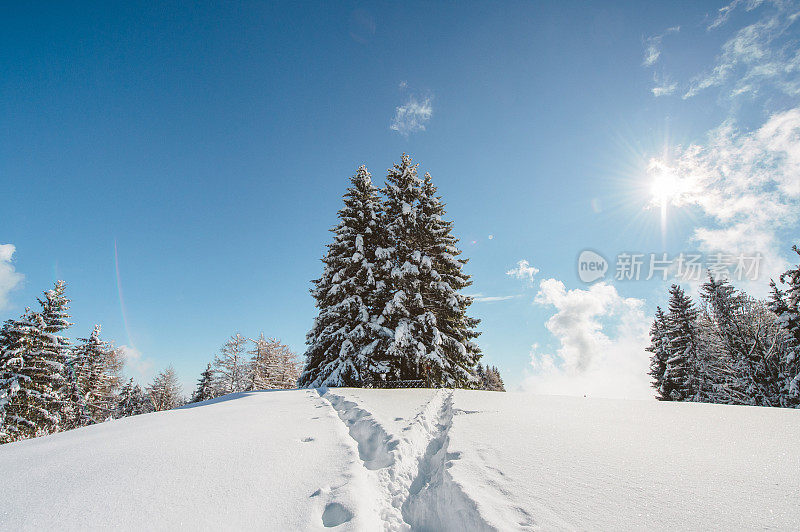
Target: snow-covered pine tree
point(205, 386)
point(480, 377)
point(97, 365)
point(56, 352)
point(659, 347)
point(165, 391)
point(343, 344)
point(132, 401)
point(35, 374)
point(231, 367)
point(432, 331)
point(401, 262)
point(451, 359)
point(15, 344)
point(786, 305)
point(682, 377)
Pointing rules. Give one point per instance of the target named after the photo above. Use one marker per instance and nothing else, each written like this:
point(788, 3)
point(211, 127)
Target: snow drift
point(412, 459)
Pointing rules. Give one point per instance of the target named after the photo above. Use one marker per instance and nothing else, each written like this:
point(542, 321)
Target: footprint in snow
point(335, 514)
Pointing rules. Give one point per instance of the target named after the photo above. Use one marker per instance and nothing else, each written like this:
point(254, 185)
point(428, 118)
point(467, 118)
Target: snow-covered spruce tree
point(659, 347)
point(132, 401)
point(15, 344)
point(432, 332)
point(452, 360)
point(682, 378)
point(343, 344)
point(97, 366)
point(402, 261)
point(480, 377)
point(786, 305)
point(205, 386)
point(231, 367)
point(35, 374)
point(165, 391)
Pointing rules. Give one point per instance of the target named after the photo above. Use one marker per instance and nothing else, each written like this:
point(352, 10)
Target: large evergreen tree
point(452, 358)
point(432, 331)
point(97, 365)
point(15, 344)
point(205, 386)
point(389, 299)
point(343, 344)
point(682, 377)
point(659, 347)
point(35, 376)
point(403, 261)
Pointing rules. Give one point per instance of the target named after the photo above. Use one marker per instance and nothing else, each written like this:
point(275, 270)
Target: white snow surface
point(413, 460)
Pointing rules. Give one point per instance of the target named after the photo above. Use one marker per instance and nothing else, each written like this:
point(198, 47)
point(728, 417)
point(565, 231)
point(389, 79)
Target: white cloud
point(523, 271)
point(137, 364)
point(591, 359)
point(652, 49)
point(725, 12)
point(9, 278)
point(412, 116)
point(664, 89)
point(762, 53)
point(748, 183)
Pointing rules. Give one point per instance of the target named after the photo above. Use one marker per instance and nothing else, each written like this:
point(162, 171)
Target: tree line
point(49, 384)
point(731, 348)
point(246, 365)
point(389, 301)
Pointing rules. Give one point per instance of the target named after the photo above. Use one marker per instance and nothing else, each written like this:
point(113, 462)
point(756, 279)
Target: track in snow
point(414, 490)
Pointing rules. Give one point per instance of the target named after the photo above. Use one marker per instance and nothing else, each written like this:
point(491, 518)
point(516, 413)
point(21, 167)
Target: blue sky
point(209, 145)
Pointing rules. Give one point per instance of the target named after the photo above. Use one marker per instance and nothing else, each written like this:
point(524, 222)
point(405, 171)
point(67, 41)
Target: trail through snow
point(409, 469)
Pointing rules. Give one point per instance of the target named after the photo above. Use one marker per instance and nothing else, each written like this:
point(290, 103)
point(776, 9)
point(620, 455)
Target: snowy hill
point(394, 459)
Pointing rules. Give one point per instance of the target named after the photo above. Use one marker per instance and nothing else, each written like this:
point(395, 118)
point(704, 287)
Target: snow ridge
point(415, 490)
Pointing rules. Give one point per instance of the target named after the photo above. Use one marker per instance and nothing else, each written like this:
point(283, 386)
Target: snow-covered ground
point(419, 459)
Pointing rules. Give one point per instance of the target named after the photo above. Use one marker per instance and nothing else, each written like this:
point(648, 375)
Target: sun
point(665, 187)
